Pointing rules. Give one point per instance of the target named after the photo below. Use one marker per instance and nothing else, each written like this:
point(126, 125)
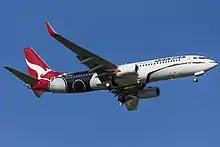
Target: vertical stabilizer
point(40, 74)
point(35, 64)
point(38, 69)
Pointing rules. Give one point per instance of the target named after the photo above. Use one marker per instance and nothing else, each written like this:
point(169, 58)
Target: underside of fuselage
point(86, 81)
point(72, 83)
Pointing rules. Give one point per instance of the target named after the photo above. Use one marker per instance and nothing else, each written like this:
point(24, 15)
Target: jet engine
point(148, 92)
point(58, 85)
point(127, 69)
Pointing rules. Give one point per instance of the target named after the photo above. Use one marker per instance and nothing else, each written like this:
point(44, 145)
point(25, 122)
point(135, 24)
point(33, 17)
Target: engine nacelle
point(127, 69)
point(148, 92)
point(58, 85)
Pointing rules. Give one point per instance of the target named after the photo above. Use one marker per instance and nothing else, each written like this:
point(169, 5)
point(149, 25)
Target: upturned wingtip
point(50, 29)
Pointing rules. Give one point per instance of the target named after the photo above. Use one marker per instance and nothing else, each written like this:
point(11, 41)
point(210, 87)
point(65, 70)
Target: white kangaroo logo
point(40, 71)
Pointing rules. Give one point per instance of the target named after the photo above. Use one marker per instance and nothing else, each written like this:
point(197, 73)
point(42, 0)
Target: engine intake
point(127, 69)
point(148, 92)
point(57, 85)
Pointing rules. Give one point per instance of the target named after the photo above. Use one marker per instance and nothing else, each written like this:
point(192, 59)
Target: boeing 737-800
point(128, 82)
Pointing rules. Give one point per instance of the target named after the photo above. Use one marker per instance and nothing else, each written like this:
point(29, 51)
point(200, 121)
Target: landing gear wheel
point(121, 100)
point(195, 80)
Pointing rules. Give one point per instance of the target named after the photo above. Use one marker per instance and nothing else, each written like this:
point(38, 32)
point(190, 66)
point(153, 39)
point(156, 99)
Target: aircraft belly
point(174, 72)
point(186, 70)
point(160, 75)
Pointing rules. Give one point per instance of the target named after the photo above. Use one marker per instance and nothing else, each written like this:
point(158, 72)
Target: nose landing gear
point(200, 73)
point(196, 79)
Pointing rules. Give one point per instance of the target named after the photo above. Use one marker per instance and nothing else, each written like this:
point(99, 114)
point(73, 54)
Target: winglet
point(50, 30)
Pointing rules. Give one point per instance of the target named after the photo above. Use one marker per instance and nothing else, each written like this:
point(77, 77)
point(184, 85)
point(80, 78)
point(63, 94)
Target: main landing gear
point(108, 85)
point(121, 100)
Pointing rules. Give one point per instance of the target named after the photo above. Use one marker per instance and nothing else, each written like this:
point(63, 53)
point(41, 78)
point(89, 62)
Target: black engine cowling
point(148, 92)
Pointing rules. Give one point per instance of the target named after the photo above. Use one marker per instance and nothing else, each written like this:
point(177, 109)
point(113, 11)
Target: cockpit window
point(195, 57)
point(202, 57)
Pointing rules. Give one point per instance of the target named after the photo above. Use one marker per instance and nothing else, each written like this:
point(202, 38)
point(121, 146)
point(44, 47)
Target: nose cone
point(210, 64)
point(213, 64)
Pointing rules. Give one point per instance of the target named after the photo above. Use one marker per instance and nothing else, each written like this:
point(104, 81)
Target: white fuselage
point(165, 69)
point(135, 73)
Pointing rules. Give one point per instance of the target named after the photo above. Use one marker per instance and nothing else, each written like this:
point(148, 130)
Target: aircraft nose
point(214, 63)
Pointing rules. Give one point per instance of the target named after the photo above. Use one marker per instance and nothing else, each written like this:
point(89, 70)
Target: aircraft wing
point(94, 62)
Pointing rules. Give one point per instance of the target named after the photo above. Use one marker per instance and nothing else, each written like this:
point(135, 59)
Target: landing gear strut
point(199, 73)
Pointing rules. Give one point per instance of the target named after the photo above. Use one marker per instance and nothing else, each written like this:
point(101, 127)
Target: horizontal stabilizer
point(27, 79)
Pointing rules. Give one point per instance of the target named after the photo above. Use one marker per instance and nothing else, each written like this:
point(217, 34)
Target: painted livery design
point(78, 82)
point(128, 82)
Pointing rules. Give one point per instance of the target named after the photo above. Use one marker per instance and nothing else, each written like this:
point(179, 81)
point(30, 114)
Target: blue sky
point(186, 114)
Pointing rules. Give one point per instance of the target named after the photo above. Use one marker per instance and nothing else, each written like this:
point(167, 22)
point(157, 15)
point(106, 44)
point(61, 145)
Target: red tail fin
point(38, 69)
point(35, 64)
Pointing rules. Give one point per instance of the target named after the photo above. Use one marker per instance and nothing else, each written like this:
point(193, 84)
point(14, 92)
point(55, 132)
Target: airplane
point(128, 82)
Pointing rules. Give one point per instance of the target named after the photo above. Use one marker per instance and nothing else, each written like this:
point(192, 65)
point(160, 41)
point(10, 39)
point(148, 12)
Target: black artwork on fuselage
point(79, 82)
